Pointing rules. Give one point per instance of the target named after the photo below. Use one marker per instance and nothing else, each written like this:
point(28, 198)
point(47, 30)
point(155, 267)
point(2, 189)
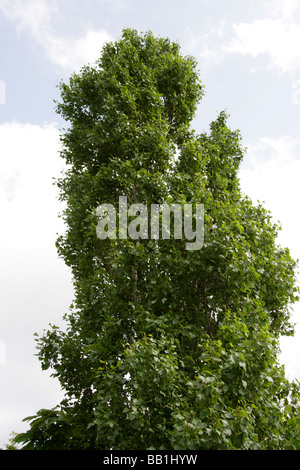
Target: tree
point(165, 348)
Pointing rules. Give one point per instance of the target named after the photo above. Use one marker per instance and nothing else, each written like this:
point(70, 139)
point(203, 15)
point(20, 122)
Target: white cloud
point(270, 174)
point(277, 38)
point(36, 287)
point(277, 35)
point(282, 8)
point(35, 17)
point(29, 15)
point(30, 160)
point(71, 55)
point(207, 46)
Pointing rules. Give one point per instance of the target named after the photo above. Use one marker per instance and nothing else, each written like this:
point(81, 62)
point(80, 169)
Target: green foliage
point(11, 442)
point(164, 348)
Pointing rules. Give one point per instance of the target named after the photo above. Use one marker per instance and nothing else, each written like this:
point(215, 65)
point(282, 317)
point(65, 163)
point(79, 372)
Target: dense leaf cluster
point(164, 348)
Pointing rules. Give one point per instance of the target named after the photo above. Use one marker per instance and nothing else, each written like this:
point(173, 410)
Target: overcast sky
point(249, 60)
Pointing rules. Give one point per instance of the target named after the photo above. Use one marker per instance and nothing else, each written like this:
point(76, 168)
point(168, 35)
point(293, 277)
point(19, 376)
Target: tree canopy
point(164, 347)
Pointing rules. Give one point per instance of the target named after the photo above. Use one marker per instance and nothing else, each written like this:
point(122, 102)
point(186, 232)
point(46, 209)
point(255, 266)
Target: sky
point(249, 61)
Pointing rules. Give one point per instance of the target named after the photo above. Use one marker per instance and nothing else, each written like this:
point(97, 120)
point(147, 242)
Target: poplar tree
point(164, 347)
